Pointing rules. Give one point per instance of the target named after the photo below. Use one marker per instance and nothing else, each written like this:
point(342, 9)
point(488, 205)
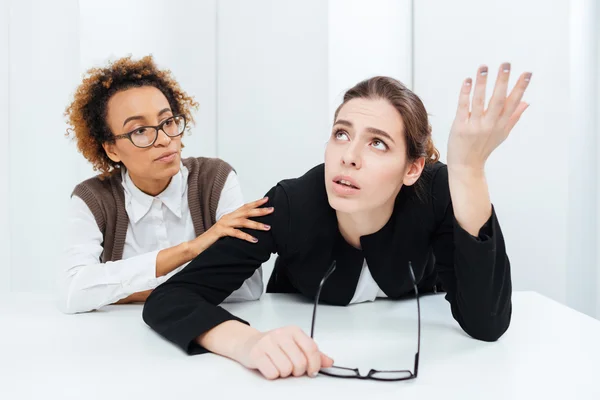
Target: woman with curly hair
point(149, 212)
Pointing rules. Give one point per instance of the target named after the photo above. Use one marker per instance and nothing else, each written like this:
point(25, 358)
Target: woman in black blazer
point(380, 201)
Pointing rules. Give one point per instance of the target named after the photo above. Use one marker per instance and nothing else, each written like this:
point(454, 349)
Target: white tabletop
point(550, 351)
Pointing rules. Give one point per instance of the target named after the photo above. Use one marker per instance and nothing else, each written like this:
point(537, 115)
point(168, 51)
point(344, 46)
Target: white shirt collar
point(139, 203)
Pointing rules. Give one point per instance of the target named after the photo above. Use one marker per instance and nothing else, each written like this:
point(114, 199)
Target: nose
point(351, 157)
point(162, 140)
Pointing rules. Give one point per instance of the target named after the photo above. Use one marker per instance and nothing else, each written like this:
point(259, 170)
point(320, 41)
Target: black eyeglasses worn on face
point(343, 372)
point(145, 136)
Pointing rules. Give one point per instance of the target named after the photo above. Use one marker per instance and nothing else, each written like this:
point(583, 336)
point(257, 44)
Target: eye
point(341, 135)
point(140, 132)
point(379, 144)
point(168, 122)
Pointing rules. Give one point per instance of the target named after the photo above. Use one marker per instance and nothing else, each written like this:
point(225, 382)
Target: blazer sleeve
point(474, 271)
point(186, 305)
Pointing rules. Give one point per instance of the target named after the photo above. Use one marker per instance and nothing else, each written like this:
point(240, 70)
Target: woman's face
point(134, 108)
point(365, 158)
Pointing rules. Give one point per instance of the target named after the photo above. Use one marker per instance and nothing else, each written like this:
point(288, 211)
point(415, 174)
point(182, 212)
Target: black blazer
point(473, 271)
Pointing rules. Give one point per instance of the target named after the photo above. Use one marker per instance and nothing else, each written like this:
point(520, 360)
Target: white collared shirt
point(155, 223)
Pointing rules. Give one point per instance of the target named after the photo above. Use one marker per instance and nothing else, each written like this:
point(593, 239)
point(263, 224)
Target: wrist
point(201, 243)
point(466, 173)
point(242, 344)
point(188, 250)
point(231, 339)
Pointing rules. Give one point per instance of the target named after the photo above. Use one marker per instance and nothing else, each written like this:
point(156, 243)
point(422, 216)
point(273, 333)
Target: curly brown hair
point(86, 115)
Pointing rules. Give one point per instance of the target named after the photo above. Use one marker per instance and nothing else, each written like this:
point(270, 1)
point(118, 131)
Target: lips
point(166, 156)
point(346, 181)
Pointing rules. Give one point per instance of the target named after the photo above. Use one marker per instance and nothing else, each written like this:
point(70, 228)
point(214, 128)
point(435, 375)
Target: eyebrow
point(138, 117)
point(368, 129)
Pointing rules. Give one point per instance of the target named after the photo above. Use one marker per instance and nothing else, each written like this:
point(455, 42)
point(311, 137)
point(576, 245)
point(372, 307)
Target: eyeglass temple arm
point(327, 274)
point(412, 275)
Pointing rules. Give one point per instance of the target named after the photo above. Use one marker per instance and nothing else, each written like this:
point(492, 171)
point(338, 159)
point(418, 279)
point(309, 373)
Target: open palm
point(476, 131)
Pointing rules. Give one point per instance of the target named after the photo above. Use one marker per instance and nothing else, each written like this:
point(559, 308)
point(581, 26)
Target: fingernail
point(266, 198)
point(271, 208)
point(506, 67)
point(483, 71)
point(255, 240)
point(468, 82)
point(528, 76)
point(314, 374)
point(267, 227)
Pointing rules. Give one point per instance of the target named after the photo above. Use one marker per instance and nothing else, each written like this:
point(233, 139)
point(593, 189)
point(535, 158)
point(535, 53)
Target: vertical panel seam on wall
point(412, 45)
point(328, 41)
point(217, 152)
point(79, 63)
point(7, 160)
point(596, 128)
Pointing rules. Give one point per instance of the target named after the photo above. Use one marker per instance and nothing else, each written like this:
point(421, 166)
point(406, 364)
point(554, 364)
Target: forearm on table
point(137, 297)
point(168, 260)
point(86, 287)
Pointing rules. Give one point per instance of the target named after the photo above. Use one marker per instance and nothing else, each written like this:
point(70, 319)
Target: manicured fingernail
point(528, 76)
point(506, 67)
point(271, 208)
point(266, 227)
point(266, 198)
point(255, 240)
point(483, 71)
point(314, 374)
point(468, 81)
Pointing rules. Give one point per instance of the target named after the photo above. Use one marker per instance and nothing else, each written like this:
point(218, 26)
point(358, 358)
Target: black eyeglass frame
point(156, 128)
point(372, 373)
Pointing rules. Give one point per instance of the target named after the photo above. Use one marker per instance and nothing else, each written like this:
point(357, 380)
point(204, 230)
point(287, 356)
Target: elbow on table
point(65, 303)
point(149, 309)
point(70, 299)
point(488, 329)
point(63, 296)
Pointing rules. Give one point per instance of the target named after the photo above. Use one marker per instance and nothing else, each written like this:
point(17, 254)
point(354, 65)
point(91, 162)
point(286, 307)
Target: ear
point(414, 170)
point(111, 151)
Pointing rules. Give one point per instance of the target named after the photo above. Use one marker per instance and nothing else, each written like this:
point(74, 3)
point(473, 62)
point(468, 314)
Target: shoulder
point(308, 186)
point(307, 192)
point(97, 186)
point(436, 176)
point(99, 195)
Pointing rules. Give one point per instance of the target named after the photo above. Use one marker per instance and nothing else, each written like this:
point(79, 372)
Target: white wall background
point(582, 256)
point(367, 38)
point(529, 174)
point(594, 114)
point(272, 89)
point(543, 178)
point(43, 67)
point(268, 75)
point(4, 150)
